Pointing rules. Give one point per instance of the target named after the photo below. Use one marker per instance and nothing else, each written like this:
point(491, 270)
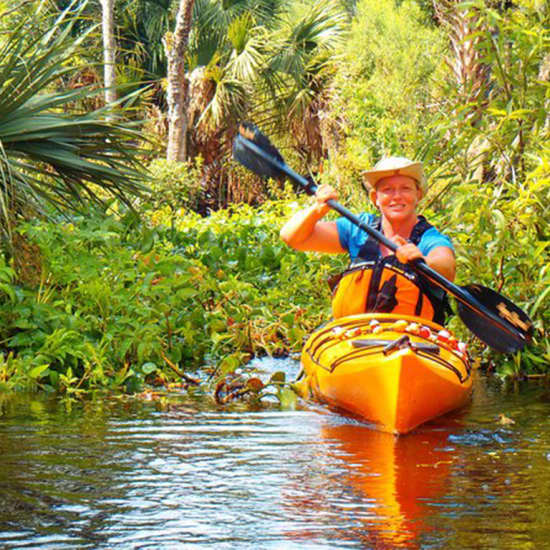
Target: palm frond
point(248, 56)
point(141, 27)
point(228, 101)
point(49, 156)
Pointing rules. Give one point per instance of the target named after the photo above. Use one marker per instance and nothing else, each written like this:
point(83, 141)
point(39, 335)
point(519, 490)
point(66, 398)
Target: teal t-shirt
point(352, 237)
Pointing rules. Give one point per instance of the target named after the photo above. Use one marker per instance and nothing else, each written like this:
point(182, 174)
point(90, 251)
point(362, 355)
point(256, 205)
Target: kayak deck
point(397, 372)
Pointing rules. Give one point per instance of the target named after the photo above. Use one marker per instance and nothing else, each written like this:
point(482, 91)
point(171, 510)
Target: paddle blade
point(516, 329)
point(255, 152)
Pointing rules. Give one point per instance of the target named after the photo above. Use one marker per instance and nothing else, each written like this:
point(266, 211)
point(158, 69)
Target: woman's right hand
point(324, 193)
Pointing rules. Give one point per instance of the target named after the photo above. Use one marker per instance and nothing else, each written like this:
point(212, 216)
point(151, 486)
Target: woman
point(378, 280)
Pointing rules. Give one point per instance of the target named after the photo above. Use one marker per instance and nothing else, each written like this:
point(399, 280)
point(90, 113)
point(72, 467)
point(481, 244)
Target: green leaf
point(187, 292)
point(9, 291)
point(539, 301)
point(148, 368)
point(288, 319)
point(22, 339)
point(40, 370)
point(148, 241)
point(287, 398)
point(278, 377)
point(499, 219)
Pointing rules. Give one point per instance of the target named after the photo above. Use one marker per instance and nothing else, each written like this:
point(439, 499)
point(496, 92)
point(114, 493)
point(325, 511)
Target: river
point(182, 472)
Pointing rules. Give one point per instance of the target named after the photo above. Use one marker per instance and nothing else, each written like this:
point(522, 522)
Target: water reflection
point(184, 473)
point(386, 482)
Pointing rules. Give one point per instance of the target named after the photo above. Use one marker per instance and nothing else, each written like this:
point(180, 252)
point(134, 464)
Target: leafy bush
point(122, 302)
point(386, 79)
point(502, 241)
point(175, 185)
point(494, 168)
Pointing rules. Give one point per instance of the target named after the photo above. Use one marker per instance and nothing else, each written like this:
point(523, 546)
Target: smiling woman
point(395, 185)
point(397, 196)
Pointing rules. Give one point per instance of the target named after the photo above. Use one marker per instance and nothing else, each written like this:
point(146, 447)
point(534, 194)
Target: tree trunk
point(177, 93)
point(109, 50)
point(472, 77)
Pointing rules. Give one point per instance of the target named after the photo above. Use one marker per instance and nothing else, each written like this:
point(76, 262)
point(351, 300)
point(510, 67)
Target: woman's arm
point(442, 259)
point(305, 231)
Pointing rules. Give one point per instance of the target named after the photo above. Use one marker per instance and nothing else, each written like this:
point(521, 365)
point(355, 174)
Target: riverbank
point(123, 303)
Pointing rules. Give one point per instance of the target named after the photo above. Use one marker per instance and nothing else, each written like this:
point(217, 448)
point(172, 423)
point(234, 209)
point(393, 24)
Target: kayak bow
point(396, 372)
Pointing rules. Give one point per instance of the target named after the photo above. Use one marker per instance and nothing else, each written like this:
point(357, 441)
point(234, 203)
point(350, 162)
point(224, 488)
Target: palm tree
point(270, 60)
point(262, 59)
point(49, 154)
point(109, 50)
point(305, 64)
point(176, 47)
point(141, 26)
point(466, 63)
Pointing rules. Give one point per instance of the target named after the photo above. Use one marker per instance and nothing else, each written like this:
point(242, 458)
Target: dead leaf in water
point(255, 384)
point(231, 387)
point(504, 420)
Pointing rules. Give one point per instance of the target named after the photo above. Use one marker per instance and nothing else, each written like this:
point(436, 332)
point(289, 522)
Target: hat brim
point(413, 170)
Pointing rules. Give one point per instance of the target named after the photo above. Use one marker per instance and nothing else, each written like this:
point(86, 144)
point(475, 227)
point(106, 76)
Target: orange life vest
point(373, 283)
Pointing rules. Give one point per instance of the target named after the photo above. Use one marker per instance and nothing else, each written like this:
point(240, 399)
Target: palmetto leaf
point(215, 14)
point(299, 72)
point(248, 58)
point(308, 32)
point(141, 25)
point(48, 155)
point(230, 96)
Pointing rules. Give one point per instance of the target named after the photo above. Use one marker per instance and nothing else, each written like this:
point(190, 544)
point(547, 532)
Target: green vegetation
point(106, 282)
point(121, 302)
point(51, 157)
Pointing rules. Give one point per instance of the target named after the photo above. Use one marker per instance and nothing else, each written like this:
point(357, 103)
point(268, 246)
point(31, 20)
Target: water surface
point(182, 472)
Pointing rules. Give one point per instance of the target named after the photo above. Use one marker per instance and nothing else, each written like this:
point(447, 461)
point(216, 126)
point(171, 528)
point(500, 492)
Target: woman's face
point(397, 197)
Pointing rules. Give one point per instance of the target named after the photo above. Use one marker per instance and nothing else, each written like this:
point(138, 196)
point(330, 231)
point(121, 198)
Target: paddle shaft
point(419, 265)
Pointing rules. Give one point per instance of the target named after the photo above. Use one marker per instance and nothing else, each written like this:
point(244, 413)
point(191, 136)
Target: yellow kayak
point(394, 371)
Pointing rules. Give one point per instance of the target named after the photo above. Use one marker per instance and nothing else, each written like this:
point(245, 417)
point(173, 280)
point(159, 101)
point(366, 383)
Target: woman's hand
point(406, 251)
point(324, 193)
point(441, 258)
point(306, 230)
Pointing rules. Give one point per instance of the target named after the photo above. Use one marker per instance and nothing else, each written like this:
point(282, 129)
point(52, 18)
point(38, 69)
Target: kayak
point(394, 371)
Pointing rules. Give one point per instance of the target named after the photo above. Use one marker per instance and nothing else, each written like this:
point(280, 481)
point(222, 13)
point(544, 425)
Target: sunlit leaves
point(385, 84)
point(125, 304)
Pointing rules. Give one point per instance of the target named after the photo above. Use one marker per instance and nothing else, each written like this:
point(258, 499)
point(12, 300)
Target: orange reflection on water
point(389, 480)
point(400, 474)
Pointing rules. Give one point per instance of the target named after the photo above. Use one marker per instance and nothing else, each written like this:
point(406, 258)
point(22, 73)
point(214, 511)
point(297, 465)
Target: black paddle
point(494, 319)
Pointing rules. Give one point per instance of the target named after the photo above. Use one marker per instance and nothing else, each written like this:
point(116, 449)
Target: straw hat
point(391, 166)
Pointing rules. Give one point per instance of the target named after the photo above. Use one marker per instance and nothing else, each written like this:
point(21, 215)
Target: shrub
point(123, 302)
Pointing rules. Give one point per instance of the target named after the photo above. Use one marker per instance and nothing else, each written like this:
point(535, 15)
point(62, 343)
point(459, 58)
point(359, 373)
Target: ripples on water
point(183, 473)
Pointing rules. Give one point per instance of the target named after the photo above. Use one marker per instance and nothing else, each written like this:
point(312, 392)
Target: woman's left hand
point(406, 251)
